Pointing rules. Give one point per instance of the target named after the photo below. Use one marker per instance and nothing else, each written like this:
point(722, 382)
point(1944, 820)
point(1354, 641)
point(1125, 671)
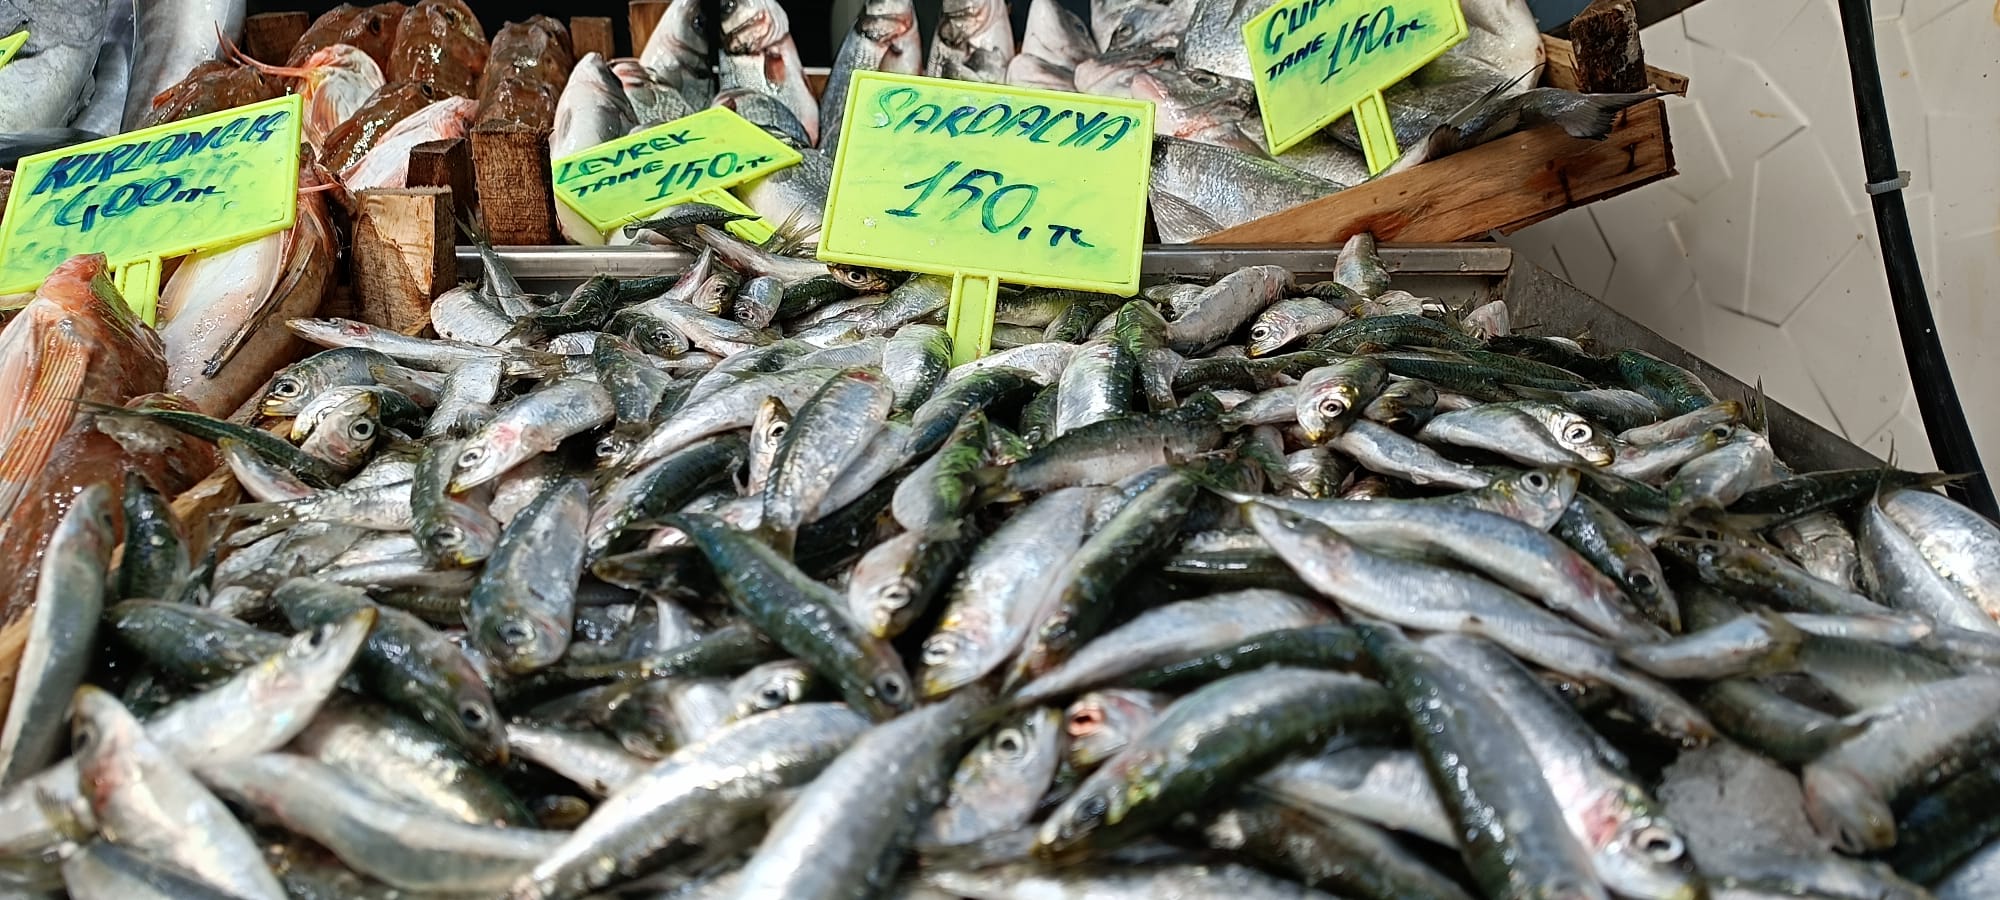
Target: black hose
point(1944, 419)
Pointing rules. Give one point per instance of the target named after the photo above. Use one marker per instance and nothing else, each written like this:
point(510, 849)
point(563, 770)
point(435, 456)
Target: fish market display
point(724, 582)
point(170, 38)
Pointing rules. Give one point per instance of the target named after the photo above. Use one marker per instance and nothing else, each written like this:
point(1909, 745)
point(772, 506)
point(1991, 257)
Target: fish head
point(487, 453)
point(998, 783)
point(462, 540)
point(1101, 723)
point(687, 29)
point(1537, 495)
point(1272, 331)
point(519, 641)
point(1576, 434)
point(348, 431)
point(750, 26)
point(102, 736)
point(1200, 105)
point(315, 660)
point(768, 687)
point(1644, 856)
point(1847, 810)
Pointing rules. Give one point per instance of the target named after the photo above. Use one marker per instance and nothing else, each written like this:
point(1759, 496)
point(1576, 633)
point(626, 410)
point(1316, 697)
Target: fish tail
point(1592, 116)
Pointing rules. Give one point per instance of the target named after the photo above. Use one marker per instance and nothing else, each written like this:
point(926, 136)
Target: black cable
point(1944, 419)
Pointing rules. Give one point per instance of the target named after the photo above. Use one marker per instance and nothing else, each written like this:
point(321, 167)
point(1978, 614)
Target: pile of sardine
point(1260, 587)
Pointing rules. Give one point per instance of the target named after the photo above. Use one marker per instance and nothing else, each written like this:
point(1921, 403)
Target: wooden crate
point(1502, 185)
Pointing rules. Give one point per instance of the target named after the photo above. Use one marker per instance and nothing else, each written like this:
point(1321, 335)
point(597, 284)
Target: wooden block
point(593, 34)
point(1608, 56)
point(511, 165)
point(1561, 70)
point(1506, 184)
point(644, 16)
point(402, 255)
point(446, 164)
point(269, 37)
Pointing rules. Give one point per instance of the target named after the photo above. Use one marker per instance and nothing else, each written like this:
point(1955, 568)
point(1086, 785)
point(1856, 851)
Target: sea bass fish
point(173, 38)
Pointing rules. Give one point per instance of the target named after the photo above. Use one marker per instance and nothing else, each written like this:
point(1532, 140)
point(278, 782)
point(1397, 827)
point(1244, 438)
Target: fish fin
point(43, 415)
point(1592, 115)
point(1759, 415)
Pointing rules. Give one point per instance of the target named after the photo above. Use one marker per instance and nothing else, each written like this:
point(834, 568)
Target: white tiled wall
point(1760, 255)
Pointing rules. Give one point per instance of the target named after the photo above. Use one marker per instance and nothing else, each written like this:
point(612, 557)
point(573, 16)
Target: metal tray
point(1459, 274)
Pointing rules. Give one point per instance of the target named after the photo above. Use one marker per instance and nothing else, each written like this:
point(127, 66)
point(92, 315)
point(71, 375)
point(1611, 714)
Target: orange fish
point(76, 340)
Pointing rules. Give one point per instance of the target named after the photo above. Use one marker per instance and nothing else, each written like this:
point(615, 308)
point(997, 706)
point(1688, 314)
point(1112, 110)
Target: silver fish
point(69, 596)
point(678, 53)
point(49, 79)
point(758, 53)
point(974, 41)
point(884, 39)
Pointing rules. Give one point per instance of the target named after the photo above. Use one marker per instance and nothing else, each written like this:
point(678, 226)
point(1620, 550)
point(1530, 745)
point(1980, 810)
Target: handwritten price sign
point(11, 45)
point(989, 183)
point(148, 195)
point(697, 157)
point(1315, 60)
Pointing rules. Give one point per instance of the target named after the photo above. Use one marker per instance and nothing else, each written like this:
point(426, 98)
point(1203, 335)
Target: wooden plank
point(446, 164)
point(402, 255)
point(1561, 70)
point(269, 37)
point(593, 34)
point(511, 166)
point(1609, 59)
point(1505, 184)
point(644, 16)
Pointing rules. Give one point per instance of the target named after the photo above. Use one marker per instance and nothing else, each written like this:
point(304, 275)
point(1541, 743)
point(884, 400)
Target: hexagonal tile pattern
point(1848, 333)
point(1762, 256)
point(1801, 228)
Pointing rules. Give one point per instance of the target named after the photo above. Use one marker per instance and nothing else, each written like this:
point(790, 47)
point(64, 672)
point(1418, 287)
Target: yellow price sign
point(697, 157)
point(1316, 60)
point(11, 45)
point(205, 182)
point(989, 183)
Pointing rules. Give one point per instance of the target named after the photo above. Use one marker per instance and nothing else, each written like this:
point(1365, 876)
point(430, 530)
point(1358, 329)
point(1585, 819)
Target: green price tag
point(1315, 60)
point(697, 157)
point(11, 45)
point(989, 183)
point(148, 195)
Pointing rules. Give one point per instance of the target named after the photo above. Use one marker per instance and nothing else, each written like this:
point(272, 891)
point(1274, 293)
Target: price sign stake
point(989, 183)
point(147, 195)
point(1314, 61)
point(11, 45)
point(697, 157)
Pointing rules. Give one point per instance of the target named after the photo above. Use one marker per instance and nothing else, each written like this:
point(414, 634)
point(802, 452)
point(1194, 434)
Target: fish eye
point(1011, 743)
point(319, 636)
point(471, 457)
point(1260, 332)
point(83, 736)
point(1085, 721)
point(448, 536)
point(374, 26)
point(426, 90)
point(892, 688)
point(361, 430)
point(473, 715)
point(513, 632)
point(777, 431)
point(771, 697)
point(1720, 432)
point(895, 595)
point(939, 650)
point(1536, 481)
point(1093, 808)
point(1658, 844)
point(1333, 407)
point(1640, 581)
point(1204, 79)
point(1577, 432)
point(286, 388)
point(728, 8)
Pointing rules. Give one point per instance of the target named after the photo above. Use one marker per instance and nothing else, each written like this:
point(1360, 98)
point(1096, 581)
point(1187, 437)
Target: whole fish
point(383, 110)
point(884, 39)
point(69, 597)
point(439, 43)
point(653, 99)
point(593, 109)
point(172, 38)
point(523, 605)
point(222, 314)
point(974, 42)
point(1227, 186)
point(387, 162)
point(758, 54)
point(371, 29)
point(49, 80)
point(1214, 40)
point(679, 55)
